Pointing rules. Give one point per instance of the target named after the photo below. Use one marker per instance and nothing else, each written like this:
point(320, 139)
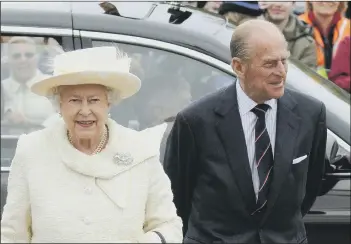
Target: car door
point(44, 44)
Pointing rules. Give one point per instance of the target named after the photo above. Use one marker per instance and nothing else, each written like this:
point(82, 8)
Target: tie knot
point(260, 109)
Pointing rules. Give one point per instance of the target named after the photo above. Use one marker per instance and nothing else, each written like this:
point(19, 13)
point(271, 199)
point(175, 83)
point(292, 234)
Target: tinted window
point(24, 61)
point(170, 82)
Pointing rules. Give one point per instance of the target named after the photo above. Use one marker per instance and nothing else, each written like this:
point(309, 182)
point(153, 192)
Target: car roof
point(147, 19)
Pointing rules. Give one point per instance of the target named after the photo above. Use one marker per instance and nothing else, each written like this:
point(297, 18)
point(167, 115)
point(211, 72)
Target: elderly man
point(298, 34)
point(246, 162)
point(21, 105)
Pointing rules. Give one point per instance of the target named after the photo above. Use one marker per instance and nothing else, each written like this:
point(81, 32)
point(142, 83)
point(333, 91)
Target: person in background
point(21, 105)
point(329, 28)
point(211, 6)
point(162, 97)
point(240, 11)
point(340, 69)
point(297, 33)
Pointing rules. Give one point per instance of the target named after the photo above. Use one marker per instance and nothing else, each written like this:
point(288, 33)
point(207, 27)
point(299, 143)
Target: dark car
point(180, 54)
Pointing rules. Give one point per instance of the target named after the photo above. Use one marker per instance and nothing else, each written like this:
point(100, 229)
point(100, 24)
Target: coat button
point(88, 190)
point(86, 221)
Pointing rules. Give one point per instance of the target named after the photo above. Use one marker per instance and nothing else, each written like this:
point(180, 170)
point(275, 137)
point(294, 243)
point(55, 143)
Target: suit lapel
point(231, 133)
point(288, 123)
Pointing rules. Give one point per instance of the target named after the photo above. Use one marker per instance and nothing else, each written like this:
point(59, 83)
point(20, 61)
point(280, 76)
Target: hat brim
point(126, 84)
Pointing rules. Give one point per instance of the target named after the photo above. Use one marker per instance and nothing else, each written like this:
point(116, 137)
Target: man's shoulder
point(305, 101)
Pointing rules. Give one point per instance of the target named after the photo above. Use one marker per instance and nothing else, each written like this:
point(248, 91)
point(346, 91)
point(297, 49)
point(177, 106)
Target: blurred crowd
point(317, 32)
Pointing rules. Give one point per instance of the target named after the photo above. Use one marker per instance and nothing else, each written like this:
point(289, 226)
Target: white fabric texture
point(57, 194)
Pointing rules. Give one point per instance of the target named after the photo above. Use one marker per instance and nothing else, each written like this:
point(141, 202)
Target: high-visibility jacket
point(341, 30)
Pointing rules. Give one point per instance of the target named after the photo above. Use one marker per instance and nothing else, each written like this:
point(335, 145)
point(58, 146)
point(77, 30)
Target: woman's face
point(84, 108)
point(325, 8)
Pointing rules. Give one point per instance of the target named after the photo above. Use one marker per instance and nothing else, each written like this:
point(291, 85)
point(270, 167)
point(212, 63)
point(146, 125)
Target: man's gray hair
point(113, 97)
point(239, 47)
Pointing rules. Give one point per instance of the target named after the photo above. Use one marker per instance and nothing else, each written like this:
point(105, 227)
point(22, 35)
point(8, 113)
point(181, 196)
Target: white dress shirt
point(248, 121)
point(20, 99)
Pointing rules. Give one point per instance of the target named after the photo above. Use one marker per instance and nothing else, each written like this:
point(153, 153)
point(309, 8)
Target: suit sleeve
point(161, 221)
point(180, 164)
point(16, 218)
point(317, 162)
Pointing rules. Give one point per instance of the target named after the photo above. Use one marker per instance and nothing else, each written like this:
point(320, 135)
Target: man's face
point(23, 60)
point(264, 74)
point(279, 11)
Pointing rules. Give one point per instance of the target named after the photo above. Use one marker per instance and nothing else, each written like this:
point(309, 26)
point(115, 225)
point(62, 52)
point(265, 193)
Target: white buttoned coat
point(58, 194)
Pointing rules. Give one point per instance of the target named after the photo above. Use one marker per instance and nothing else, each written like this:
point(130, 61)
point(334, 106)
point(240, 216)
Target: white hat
point(100, 65)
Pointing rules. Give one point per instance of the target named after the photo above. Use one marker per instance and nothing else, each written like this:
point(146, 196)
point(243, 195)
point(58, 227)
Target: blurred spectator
point(211, 6)
point(330, 27)
point(348, 11)
point(340, 69)
point(240, 11)
point(162, 98)
point(21, 105)
point(51, 48)
point(297, 33)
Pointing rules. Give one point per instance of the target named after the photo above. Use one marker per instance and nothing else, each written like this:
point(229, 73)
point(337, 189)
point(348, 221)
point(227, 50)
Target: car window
point(170, 82)
point(24, 61)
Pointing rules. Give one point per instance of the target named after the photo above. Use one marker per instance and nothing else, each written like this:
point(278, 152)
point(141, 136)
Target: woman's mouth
point(85, 124)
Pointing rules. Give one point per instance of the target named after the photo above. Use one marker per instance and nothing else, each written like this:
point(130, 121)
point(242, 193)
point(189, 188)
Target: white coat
point(58, 194)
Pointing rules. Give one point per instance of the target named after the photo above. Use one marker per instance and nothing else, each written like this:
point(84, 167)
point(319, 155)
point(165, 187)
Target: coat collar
point(141, 146)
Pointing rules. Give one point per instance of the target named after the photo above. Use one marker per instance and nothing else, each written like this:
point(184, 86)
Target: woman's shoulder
point(33, 141)
point(143, 144)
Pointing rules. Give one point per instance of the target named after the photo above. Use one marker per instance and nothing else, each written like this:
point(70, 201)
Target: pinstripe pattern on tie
point(263, 153)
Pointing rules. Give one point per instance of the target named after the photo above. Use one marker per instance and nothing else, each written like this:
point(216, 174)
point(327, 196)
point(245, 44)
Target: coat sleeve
point(16, 218)
point(180, 164)
point(309, 55)
point(316, 167)
point(161, 221)
point(340, 69)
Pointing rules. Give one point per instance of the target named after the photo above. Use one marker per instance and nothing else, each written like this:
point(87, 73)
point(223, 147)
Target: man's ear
point(238, 67)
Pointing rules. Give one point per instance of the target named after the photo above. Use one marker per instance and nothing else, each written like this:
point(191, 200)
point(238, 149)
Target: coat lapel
point(231, 133)
point(288, 123)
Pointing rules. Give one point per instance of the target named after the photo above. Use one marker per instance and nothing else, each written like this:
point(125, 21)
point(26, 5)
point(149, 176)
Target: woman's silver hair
point(55, 97)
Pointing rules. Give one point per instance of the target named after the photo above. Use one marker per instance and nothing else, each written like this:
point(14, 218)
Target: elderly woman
point(85, 178)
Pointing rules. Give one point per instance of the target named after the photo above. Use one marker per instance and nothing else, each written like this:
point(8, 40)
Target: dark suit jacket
point(207, 163)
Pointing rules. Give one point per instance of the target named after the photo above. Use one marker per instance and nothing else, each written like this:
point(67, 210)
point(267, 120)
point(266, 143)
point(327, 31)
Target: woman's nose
point(85, 109)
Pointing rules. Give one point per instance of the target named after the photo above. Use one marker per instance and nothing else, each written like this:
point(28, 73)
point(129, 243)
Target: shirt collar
point(246, 104)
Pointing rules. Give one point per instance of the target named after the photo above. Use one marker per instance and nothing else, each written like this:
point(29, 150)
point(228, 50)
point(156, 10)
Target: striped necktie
point(264, 155)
